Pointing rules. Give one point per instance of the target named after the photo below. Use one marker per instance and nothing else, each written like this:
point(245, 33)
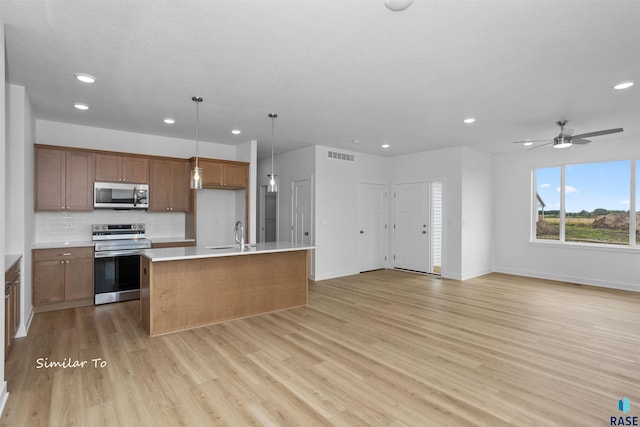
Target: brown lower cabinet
point(62, 275)
point(11, 305)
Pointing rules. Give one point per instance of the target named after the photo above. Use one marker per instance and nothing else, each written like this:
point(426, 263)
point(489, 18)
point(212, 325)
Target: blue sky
point(588, 186)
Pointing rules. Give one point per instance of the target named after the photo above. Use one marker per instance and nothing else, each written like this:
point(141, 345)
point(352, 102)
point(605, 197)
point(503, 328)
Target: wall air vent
point(341, 156)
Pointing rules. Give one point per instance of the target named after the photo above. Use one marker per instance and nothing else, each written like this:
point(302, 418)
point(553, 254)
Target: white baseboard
point(333, 275)
point(4, 396)
point(477, 273)
point(570, 279)
point(24, 329)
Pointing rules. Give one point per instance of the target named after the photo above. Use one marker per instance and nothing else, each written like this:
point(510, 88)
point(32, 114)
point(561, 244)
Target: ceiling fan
point(566, 138)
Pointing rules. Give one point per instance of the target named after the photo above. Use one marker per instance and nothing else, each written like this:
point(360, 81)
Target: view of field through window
point(597, 202)
point(548, 199)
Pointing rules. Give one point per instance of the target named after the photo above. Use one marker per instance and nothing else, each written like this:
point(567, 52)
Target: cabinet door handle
point(61, 262)
point(65, 254)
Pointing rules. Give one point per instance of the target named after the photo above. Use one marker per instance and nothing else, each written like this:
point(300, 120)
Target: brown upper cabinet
point(64, 179)
point(223, 174)
point(169, 185)
point(122, 168)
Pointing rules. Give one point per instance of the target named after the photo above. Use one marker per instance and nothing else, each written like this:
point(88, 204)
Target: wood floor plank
point(384, 348)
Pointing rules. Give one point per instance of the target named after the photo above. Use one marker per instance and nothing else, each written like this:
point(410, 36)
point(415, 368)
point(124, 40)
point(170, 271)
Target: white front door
point(411, 232)
point(371, 226)
point(301, 212)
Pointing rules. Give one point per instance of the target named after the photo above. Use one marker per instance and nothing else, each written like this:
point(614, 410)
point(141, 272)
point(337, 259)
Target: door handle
point(424, 232)
point(306, 233)
point(361, 231)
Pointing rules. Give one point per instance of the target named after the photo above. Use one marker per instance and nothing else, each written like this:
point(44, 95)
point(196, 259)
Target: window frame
point(633, 244)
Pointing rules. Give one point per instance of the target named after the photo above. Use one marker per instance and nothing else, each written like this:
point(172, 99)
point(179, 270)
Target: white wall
point(291, 166)
point(3, 389)
point(336, 219)
point(515, 253)
point(464, 172)
point(248, 152)
point(477, 213)
point(217, 215)
point(20, 218)
point(69, 135)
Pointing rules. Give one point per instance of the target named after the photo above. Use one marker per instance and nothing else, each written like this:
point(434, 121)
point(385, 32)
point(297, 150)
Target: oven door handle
point(109, 254)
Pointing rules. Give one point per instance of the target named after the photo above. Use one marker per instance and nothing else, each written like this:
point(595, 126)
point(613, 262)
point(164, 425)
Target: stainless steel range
point(117, 261)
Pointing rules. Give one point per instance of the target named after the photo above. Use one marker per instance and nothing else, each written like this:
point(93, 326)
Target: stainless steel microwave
point(118, 195)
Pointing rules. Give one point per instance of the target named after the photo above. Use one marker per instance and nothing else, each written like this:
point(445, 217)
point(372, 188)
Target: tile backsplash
point(76, 226)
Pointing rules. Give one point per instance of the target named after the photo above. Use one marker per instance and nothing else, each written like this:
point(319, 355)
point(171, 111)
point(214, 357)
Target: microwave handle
point(135, 196)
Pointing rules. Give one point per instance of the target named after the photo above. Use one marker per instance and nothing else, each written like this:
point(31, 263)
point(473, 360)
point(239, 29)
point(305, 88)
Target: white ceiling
point(333, 70)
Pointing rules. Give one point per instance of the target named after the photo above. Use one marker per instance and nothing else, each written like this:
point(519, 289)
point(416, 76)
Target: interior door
point(371, 226)
point(411, 227)
point(301, 215)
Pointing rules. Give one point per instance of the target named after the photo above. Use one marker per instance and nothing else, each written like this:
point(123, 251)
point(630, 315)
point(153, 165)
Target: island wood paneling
point(185, 294)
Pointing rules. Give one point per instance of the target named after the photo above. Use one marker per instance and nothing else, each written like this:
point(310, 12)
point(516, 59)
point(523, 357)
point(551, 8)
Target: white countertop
point(52, 245)
point(193, 252)
point(169, 239)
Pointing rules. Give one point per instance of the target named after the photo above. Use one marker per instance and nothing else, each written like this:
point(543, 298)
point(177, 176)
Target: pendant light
point(196, 173)
point(273, 178)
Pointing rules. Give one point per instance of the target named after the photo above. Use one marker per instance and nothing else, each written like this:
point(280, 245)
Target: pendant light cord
point(273, 117)
point(197, 100)
point(272, 142)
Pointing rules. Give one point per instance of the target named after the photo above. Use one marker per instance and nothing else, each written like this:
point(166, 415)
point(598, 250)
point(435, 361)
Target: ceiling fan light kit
point(563, 143)
point(566, 139)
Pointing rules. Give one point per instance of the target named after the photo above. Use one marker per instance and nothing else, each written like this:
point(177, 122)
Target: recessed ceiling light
point(169, 121)
point(236, 131)
point(355, 141)
point(85, 78)
point(528, 143)
point(469, 120)
point(385, 145)
point(81, 106)
point(624, 85)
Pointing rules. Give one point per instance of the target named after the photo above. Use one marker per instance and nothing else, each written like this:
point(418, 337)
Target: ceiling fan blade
point(580, 141)
point(541, 145)
point(532, 140)
point(598, 133)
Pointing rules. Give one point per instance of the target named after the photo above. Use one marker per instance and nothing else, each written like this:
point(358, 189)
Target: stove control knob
point(104, 227)
point(135, 226)
point(96, 227)
point(140, 226)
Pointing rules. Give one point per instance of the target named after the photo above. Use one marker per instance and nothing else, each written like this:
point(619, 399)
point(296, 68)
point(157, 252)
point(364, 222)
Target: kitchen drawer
point(62, 253)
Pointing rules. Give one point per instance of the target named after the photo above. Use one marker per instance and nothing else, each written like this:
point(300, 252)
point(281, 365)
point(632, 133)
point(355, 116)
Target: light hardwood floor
point(380, 348)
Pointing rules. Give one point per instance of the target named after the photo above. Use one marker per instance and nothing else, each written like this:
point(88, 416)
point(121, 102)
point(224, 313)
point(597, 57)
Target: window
point(586, 203)
point(547, 199)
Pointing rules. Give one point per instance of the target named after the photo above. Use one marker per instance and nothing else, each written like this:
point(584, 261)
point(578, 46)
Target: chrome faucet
point(240, 228)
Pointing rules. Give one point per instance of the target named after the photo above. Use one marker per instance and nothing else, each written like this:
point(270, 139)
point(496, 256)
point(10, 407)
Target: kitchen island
point(190, 287)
